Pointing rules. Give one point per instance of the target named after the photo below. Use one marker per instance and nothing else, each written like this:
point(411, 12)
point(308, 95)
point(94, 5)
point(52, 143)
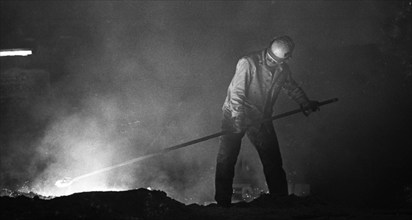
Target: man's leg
point(225, 168)
point(266, 143)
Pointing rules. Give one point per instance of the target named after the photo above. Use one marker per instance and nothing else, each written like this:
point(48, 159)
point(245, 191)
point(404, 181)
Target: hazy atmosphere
point(109, 81)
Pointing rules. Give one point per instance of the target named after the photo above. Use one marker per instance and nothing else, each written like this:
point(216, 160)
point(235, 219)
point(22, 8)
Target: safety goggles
point(272, 58)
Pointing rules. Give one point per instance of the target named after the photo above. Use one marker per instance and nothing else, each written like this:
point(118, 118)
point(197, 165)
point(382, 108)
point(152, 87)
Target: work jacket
point(255, 87)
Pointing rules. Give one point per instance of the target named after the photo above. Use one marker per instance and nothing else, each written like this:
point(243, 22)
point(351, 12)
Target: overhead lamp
point(15, 52)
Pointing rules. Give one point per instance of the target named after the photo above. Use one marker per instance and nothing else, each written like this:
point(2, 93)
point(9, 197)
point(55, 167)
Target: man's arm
point(294, 91)
point(237, 93)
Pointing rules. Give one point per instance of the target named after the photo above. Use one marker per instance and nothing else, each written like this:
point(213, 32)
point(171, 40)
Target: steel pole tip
point(65, 182)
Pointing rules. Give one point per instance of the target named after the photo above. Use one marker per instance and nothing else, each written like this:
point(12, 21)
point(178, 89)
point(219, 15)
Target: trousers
point(265, 141)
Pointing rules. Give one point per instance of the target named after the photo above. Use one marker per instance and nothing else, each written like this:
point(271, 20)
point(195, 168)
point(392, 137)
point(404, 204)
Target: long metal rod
point(68, 181)
point(227, 132)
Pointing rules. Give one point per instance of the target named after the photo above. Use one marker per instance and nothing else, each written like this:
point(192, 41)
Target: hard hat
point(280, 49)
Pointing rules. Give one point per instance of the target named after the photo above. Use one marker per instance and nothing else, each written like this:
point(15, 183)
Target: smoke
point(131, 78)
point(127, 93)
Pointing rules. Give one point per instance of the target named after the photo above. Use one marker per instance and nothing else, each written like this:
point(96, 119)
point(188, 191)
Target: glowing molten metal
point(64, 182)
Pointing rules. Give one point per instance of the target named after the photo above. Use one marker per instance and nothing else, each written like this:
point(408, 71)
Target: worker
point(251, 96)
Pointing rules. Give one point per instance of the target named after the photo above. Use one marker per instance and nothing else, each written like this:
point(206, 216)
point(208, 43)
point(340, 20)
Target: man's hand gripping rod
point(68, 181)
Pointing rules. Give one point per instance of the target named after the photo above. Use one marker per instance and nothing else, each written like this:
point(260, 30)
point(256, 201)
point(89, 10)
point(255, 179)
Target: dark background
point(112, 80)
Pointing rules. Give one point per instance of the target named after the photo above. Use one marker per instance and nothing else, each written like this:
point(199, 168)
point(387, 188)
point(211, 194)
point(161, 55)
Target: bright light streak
point(15, 52)
point(67, 181)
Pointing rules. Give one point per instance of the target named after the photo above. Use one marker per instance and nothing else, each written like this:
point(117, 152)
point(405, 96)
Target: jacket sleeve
point(292, 89)
point(238, 88)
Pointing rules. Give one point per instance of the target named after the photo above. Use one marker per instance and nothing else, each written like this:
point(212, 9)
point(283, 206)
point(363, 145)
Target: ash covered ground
point(148, 204)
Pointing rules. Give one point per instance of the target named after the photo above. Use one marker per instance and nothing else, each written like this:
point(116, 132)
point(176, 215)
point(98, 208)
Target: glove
point(309, 107)
point(239, 125)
